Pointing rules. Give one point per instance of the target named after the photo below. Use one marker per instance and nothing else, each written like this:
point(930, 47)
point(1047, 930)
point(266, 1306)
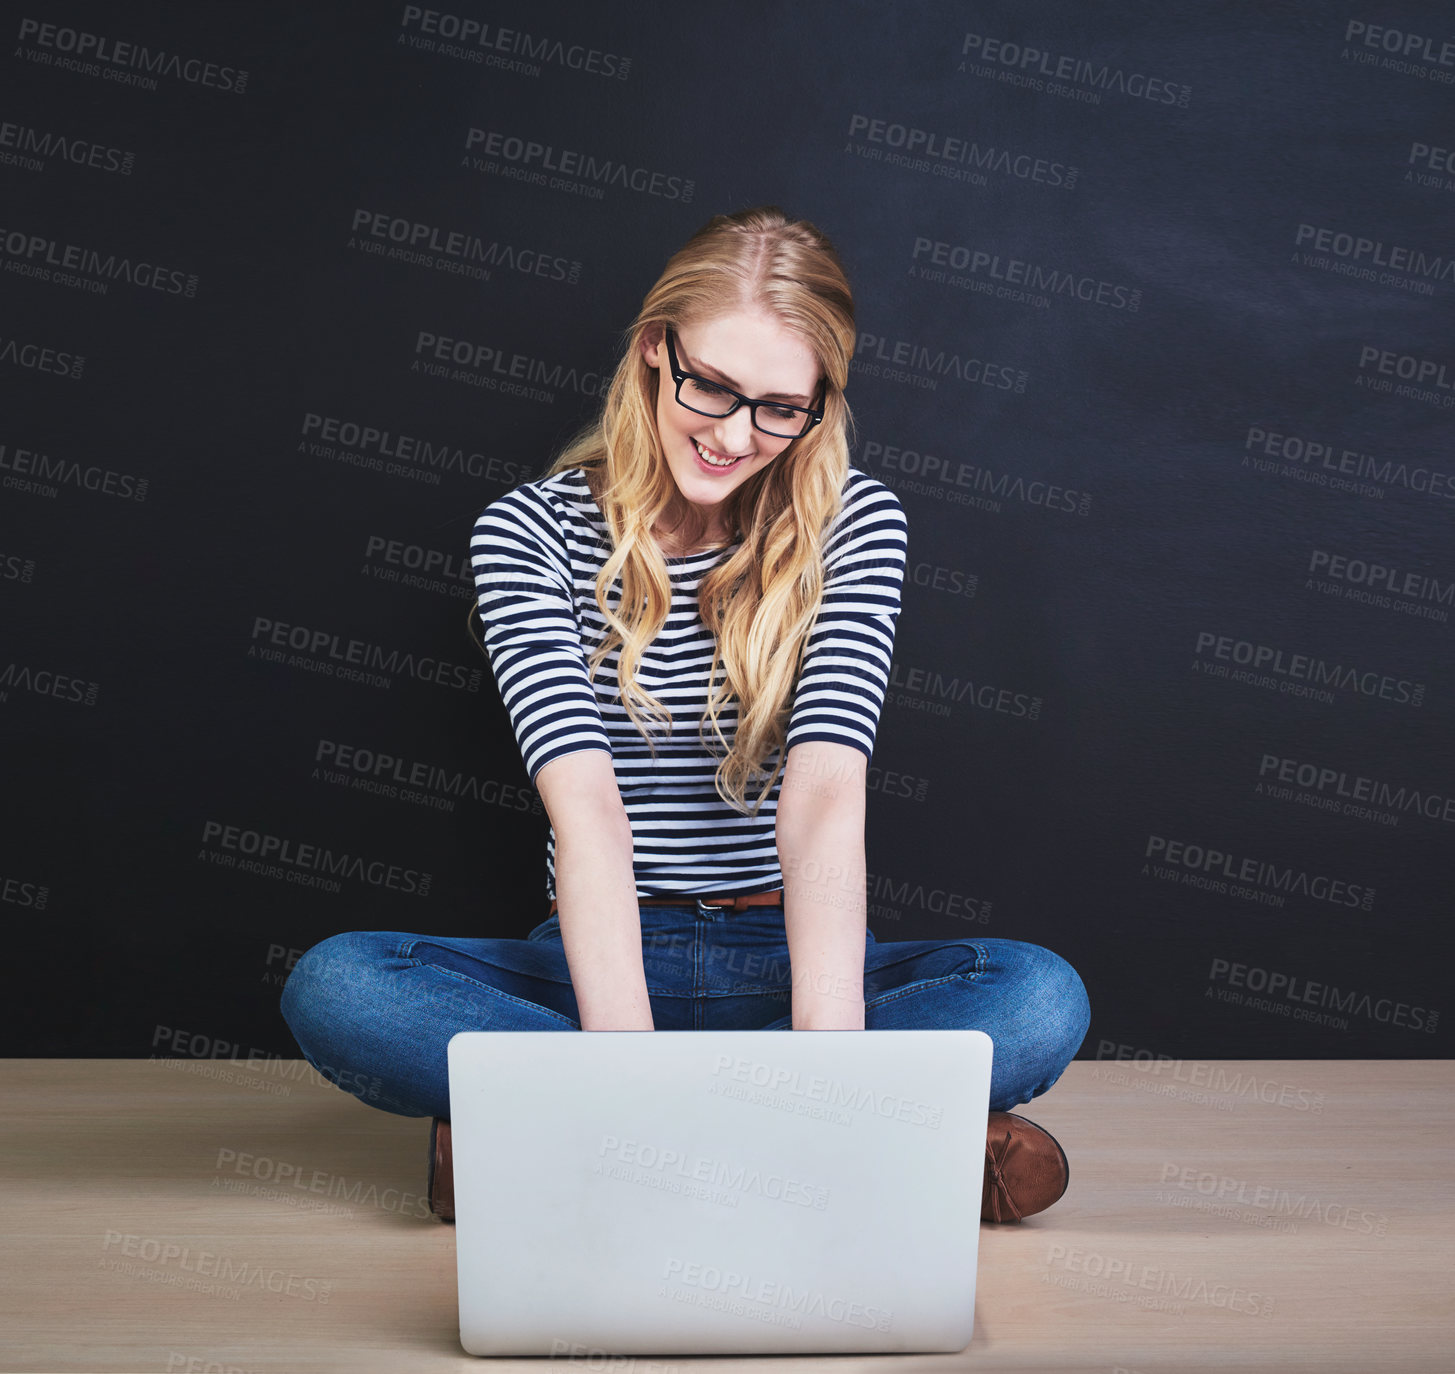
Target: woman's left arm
point(831, 730)
point(820, 836)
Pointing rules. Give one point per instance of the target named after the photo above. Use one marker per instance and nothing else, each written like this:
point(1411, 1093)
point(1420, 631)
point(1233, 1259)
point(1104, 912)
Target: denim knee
point(1054, 1016)
point(320, 986)
point(1066, 1006)
point(332, 1003)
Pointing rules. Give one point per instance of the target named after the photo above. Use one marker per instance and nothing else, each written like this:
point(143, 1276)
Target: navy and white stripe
point(536, 552)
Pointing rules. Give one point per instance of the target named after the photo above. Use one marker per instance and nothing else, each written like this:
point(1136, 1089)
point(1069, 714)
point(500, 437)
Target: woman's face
point(753, 353)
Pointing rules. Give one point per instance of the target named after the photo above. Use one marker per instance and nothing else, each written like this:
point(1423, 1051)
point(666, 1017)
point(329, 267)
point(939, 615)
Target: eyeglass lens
point(698, 394)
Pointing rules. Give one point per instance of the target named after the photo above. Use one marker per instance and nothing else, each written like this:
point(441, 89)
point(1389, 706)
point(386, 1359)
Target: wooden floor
point(1264, 1215)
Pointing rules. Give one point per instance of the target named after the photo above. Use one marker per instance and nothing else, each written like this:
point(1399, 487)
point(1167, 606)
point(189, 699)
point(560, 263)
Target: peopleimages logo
point(285, 1174)
point(1218, 867)
point(677, 1164)
point(1290, 988)
point(889, 898)
point(1217, 1078)
point(567, 169)
point(928, 690)
point(1357, 255)
point(1022, 64)
point(1398, 50)
point(438, 786)
point(1429, 380)
point(1325, 463)
point(1357, 582)
point(473, 40)
point(1377, 577)
point(231, 1275)
point(405, 564)
point(361, 443)
point(1430, 164)
point(834, 1093)
point(24, 146)
point(924, 366)
point(1156, 1282)
point(952, 156)
point(36, 357)
point(335, 655)
point(453, 250)
point(1267, 665)
point(20, 892)
point(1336, 789)
point(970, 484)
point(732, 1289)
point(936, 260)
point(46, 682)
point(71, 264)
point(488, 365)
point(1272, 1204)
point(29, 470)
point(131, 64)
point(309, 865)
point(15, 567)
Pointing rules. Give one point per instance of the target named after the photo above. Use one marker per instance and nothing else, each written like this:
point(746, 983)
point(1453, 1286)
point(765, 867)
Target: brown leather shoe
point(1025, 1169)
point(441, 1171)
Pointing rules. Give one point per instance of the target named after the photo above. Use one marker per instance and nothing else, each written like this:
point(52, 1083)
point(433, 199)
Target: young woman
point(690, 618)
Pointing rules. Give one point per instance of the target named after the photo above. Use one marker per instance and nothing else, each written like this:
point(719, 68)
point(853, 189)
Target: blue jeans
point(373, 1011)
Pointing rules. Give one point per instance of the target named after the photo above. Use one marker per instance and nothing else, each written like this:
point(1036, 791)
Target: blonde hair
point(761, 604)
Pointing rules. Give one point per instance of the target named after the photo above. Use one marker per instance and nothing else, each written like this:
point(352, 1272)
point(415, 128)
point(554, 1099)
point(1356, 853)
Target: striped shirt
point(535, 553)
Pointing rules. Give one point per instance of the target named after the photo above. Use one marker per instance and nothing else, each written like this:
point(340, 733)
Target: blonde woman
point(690, 618)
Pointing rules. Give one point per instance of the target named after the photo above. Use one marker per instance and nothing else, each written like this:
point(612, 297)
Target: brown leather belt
point(732, 901)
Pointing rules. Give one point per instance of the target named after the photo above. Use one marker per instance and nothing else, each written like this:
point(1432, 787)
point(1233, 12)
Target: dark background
point(1153, 226)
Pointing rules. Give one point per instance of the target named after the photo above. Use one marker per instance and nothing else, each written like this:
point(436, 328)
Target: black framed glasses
point(703, 396)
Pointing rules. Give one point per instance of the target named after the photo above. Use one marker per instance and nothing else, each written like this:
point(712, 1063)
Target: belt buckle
point(704, 907)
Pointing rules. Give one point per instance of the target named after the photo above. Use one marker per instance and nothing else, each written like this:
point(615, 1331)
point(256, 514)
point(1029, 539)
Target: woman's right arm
point(596, 892)
point(532, 634)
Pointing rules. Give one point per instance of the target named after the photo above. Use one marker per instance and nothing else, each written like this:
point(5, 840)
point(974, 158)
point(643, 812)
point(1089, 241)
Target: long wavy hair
point(761, 604)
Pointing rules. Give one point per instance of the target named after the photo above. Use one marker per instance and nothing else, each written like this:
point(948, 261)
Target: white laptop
point(717, 1192)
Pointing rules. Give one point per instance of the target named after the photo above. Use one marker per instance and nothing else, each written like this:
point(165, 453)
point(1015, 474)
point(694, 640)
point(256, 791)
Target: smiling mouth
point(717, 460)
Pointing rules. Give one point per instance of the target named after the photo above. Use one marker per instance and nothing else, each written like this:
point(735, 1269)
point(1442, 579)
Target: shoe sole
point(438, 1209)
